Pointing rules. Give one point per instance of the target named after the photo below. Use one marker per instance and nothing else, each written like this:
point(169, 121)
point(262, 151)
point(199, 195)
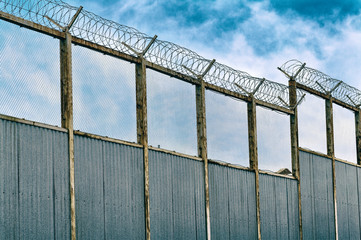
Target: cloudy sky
point(255, 36)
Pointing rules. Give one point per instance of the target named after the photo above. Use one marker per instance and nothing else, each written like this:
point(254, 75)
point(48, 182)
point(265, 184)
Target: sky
point(255, 36)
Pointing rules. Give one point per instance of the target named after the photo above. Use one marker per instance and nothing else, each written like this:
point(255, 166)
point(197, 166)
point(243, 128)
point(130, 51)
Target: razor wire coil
point(323, 83)
point(93, 28)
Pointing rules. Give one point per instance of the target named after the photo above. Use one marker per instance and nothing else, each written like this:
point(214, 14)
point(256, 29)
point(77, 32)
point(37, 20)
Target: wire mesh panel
point(227, 132)
point(344, 131)
point(29, 75)
point(171, 113)
point(273, 139)
point(104, 95)
point(312, 124)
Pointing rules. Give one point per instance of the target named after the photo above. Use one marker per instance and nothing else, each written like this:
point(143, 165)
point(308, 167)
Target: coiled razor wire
point(90, 27)
point(323, 83)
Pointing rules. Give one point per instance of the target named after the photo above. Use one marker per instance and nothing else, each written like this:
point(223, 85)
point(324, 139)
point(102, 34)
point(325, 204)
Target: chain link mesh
point(93, 28)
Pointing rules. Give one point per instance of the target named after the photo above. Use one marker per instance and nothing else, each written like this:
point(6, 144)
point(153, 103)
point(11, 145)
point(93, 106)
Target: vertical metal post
point(253, 155)
point(295, 145)
point(202, 145)
point(358, 135)
point(331, 153)
point(67, 117)
point(142, 133)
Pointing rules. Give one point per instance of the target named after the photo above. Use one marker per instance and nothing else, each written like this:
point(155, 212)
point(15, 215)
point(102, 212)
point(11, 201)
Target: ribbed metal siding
point(177, 205)
point(34, 184)
point(232, 203)
point(109, 190)
point(316, 197)
point(279, 207)
point(347, 201)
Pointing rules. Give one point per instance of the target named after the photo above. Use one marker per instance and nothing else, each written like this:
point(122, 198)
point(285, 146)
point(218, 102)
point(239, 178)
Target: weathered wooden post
point(142, 123)
point(252, 146)
point(358, 135)
point(66, 89)
point(202, 137)
point(293, 103)
point(331, 152)
point(253, 155)
point(295, 146)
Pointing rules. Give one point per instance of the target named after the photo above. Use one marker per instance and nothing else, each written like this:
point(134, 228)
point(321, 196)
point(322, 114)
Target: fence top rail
point(58, 15)
point(322, 83)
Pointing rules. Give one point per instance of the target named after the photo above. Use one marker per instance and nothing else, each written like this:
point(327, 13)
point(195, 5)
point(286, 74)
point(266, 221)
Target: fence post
point(358, 135)
point(331, 153)
point(295, 145)
point(253, 155)
point(142, 133)
point(202, 146)
point(67, 117)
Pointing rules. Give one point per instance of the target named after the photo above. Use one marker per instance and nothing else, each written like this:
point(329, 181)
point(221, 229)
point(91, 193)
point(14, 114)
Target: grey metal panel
point(123, 191)
point(109, 187)
point(279, 207)
point(347, 201)
point(61, 185)
point(89, 188)
point(242, 204)
point(316, 197)
point(177, 208)
point(40, 205)
point(9, 205)
point(34, 182)
point(232, 203)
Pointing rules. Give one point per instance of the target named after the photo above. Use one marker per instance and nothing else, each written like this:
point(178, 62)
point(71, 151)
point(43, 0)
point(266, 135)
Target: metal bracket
point(251, 94)
point(205, 71)
point(334, 88)
point(141, 54)
point(294, 76)
point(284, 102)
point(356, 105)
point(72, 21)
point(289, 106)
point(299, 70)
point(325, 91)
point(329, 92)
point(298, 102)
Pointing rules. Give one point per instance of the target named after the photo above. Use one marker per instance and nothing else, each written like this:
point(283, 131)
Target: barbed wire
point(323, 83)
point(93, 28)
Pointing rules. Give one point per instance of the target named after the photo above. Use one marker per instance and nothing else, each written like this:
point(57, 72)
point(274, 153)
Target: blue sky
point(255, 36)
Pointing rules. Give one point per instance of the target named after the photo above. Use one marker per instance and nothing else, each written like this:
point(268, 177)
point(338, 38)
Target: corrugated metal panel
point(279, 207)
point(316, 197)
point(109, 190)
point(242, 204)
point(124, 192)
point(89, 188)
point(232, 203)
point(347, 201)
point(34, 162)
point(9, 205)
point(176, 197)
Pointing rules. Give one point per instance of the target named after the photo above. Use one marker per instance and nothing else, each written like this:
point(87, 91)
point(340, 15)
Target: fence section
point(109, 190)
point(34, 173)
point(318, 216)
point(177, 205)
point(348, 200)
point(232, 194)
point(279, 207)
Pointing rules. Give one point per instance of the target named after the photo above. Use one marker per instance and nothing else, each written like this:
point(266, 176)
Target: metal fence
point(198, 187)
